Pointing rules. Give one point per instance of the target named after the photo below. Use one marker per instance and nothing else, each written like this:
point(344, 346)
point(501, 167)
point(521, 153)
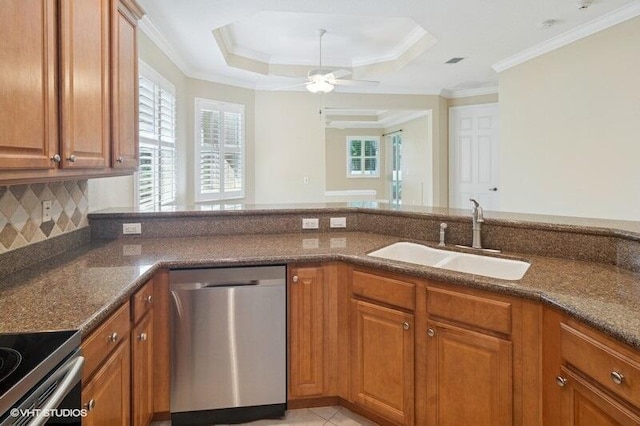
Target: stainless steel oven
point(40, 379)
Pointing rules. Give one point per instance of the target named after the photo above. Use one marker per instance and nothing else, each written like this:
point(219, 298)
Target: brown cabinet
point(382, 344)
point(382, 361)
point(106, 379)
point(468, 377)
point(474, 361)
point(590, 379)
point(124, 83)
point(106, 397)
point(142, 371)
point(68, 87)
point(306, 332)
point(28, 89)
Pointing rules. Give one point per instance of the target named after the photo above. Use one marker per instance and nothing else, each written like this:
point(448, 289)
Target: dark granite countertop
point(79, 289)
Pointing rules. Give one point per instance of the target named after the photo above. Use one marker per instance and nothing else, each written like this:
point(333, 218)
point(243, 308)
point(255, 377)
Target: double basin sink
point(493, 267)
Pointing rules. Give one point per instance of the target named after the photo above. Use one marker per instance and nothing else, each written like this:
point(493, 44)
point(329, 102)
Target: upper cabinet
point(68, 89)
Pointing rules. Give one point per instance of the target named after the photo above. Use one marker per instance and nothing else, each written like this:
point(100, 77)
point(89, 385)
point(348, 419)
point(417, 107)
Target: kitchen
point(335, 255)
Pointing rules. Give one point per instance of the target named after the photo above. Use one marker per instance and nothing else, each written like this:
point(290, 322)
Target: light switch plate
point(131, 228)
point(46, 211)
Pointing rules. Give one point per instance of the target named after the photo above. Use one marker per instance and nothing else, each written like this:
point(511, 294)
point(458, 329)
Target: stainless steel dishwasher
point(228, 337)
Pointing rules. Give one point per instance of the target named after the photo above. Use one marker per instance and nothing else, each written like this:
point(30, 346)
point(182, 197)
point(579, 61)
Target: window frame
point(155, 141)
point(222, 106)
point(362, 157)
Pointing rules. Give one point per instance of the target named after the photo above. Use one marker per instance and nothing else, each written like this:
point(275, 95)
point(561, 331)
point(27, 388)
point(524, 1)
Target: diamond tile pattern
point(21, 212)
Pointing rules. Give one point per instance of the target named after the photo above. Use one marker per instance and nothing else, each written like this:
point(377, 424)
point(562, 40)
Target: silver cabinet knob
point(431, 332)
point(72, 158)
point(149, 299)
point(295, 279)
point(617, 378)
point(405, 325)
point(113, 337)
point(119, 159)
point(56, 158)
point(143, 337)
point(561, 381)
point(89, 406)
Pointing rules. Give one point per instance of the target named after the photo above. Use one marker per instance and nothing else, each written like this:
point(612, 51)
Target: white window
point(363, 156)
point(220, 152)
point(156, 183)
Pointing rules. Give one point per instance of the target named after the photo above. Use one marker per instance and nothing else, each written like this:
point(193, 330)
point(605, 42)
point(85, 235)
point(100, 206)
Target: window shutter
point(220, 150)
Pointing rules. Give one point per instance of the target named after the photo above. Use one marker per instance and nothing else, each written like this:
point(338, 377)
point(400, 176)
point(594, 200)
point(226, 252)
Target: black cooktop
point(26, 358)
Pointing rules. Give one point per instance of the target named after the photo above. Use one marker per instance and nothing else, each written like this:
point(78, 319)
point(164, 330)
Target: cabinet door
point(468, 377)
point(107, 395)
point(142, 370)
point(306, 332)
point(28, 122)
point(382, 343)
point(84, 81)
point(124, 88)
point(585, 404)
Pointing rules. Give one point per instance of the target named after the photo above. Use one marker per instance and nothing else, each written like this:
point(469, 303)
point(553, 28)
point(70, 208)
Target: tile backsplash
point(21, 212)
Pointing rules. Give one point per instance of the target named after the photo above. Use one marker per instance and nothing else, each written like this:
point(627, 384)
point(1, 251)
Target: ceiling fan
point(322, 80)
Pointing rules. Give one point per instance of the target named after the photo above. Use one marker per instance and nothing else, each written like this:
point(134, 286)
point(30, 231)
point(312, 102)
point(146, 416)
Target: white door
point(474, 156)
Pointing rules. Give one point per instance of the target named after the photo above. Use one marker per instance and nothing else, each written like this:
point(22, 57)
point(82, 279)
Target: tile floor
point(320, 416)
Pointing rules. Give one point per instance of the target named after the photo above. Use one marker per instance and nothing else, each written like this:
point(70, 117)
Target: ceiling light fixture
point(319, 83)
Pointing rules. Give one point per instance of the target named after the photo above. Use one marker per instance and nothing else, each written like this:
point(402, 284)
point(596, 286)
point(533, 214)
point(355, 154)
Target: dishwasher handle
point(231, 284)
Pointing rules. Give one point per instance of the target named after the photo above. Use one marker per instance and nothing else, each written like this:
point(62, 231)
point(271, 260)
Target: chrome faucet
point(477, 219)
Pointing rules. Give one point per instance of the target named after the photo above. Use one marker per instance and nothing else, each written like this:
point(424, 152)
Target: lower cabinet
point(382, 361)
point(306, 332)
point(468, 377)
point(589, 378)
point(142, 371)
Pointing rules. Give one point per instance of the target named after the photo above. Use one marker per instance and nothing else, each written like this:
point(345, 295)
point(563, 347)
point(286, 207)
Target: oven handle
point(71, 378)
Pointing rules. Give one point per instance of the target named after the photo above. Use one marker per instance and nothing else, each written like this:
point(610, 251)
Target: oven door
point(55, 401)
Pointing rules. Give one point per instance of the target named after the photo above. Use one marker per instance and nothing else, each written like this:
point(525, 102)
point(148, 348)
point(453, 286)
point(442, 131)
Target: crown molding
point(465, 93)
point(163, 44)
point(602, 23)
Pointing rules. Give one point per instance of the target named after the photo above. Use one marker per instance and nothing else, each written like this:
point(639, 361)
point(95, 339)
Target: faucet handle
point(443, 226)
point(475, 203)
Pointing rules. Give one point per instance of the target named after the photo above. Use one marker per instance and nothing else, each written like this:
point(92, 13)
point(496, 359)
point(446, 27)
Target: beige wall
point(336, 154)
point(289, 147)
point(569, 128)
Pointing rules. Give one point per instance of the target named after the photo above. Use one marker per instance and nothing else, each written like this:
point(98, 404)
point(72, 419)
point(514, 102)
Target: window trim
point(223, 106)
point(349, 139)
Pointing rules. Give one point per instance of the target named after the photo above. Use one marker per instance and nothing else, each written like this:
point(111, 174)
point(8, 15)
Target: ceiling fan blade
point(290, 86)
point(342, 82)
point(341, 73)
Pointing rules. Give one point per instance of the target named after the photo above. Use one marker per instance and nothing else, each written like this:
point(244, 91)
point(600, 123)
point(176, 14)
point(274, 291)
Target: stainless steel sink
point(493, 267)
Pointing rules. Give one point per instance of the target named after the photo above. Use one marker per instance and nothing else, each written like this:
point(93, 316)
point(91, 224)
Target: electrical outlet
point(310, 223)
point(46, 211)
point(338, 222)
point(131, 228)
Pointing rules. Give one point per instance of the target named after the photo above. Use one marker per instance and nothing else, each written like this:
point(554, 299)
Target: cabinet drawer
point(601, 362)
point(489, 314)
point(104, 339)
point(384, 289)
point(142, 301)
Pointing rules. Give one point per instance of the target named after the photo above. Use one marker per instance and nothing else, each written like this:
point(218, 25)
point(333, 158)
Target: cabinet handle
point(294, 279)
point(431, 332)
point(56, 158)
point(113, 337)
point(143, 337)
point(119, 160)
point(561, 381)
point(89, 406)
point(617, 378)
point(405, 325)
point(72, 158)
point(149, 299)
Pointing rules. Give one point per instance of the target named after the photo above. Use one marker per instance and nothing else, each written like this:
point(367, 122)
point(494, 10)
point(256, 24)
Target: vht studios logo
point(54, 412)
